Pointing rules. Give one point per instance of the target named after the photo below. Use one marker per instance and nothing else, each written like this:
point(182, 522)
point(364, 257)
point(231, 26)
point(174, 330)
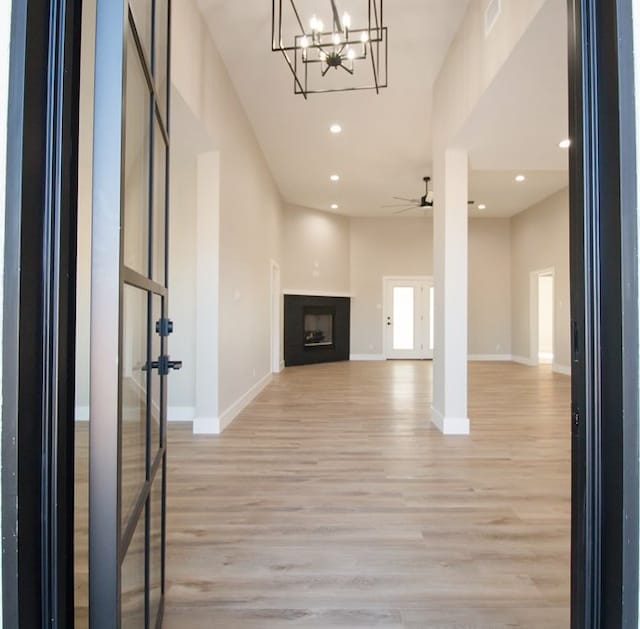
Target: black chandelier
point(350, 54)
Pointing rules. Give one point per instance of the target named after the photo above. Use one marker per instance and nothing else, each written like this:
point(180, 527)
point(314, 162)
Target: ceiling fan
point(425, 201)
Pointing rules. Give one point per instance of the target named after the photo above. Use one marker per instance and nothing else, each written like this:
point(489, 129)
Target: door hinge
point(164, 327)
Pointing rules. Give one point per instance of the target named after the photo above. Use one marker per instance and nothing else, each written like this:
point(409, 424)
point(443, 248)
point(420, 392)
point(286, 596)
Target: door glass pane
point(137, 148)
point(159, 205)
point(403, 317)
point(155, 548)
point(141, 10)
point(431, 317)
point(161, 57)
point(134, 397)
point(133, 585)
point(156, 380)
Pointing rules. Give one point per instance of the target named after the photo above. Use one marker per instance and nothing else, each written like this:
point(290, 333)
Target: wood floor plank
point(332, 501)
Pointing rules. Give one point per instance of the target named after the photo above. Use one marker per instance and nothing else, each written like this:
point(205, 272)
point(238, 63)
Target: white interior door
point(407, 324)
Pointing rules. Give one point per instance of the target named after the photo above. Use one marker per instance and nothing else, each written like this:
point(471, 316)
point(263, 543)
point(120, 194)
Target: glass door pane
point(137, 164)
point(156, 547)
point(133, 471)
point(128, 457)
point(133, 581)
point(403, 317)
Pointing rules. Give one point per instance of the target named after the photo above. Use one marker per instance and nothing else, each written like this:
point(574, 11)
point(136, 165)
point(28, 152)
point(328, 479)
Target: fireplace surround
point(316, 329)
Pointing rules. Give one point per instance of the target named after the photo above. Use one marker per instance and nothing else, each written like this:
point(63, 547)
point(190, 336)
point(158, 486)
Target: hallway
point(333, 501)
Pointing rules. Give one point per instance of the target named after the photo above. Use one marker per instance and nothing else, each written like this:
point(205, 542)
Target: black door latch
point(164, 365)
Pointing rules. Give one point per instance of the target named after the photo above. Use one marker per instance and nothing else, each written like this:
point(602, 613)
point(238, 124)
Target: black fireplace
point(316, 329)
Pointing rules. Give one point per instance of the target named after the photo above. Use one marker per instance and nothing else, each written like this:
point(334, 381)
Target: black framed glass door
point(129, 325)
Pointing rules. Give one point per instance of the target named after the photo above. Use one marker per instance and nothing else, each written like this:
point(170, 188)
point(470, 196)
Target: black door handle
point(163, 365)
point(167, 364)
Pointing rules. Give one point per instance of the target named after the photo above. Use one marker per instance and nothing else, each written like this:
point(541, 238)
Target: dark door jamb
point(604, 307)
point(39, 315)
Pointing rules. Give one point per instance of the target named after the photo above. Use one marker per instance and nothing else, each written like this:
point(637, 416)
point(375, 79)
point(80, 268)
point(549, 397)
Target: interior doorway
point(276, 319)
point(545, 318)
point(408, 318)
point(542, 313)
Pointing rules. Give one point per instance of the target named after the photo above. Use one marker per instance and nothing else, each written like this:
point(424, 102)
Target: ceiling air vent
point(491, 15)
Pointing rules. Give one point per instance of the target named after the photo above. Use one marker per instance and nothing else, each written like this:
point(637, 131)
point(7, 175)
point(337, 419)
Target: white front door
point(407, 322)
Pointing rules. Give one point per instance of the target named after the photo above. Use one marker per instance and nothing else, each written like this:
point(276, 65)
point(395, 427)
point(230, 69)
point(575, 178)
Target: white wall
point(489, 287)
point(539, 241)
point(316, 249)
point(5, 28)
point(250, 207)
point(379, 247)
point(355, 254)
point(182, 272)
point(473, 61)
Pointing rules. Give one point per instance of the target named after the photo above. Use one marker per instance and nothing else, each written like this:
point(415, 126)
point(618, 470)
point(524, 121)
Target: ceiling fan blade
point(407, 200)
point(406, 209)
point(397, 205)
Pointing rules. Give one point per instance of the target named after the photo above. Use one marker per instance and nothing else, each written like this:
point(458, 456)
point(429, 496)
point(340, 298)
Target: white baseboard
point(181, 413)
point(206, 426)
point(490, 357)
point(215, 425)
point(367, 357)
point(522, 360)
point(563, 369)
point(450, 425)
point(281, 365)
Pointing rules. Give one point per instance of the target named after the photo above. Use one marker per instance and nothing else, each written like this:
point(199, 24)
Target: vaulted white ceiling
point(385, 147)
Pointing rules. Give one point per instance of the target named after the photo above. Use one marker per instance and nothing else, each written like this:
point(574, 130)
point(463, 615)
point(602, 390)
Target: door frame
point(604, 315)
point(428, 280)
point(276, 317)
point(38, 351)
point(534, 304)
point(604, 286)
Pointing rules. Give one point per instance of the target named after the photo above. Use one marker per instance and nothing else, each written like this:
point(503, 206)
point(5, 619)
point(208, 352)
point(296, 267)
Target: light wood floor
point(333, 502)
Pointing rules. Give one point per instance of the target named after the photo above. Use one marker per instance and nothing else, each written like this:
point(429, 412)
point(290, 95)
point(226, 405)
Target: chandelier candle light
point(356, 51)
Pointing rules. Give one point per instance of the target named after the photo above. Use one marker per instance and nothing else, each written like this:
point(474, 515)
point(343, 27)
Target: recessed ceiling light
point(335, 177)
point(335, 128)
point(520, 178)
point(565, 144)
point(334, 206)
point(482, 206)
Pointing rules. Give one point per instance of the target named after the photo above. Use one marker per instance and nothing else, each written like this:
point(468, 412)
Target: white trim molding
point(82, 414)
point(216, 425)
point(503, 358)
point(563, 369)
point(367, 357)
point(315, 293)
point(522, 360)
point(450, 425)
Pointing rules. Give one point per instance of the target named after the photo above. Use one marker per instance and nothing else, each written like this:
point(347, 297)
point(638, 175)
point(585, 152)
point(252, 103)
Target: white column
point(207, 293)
point(450, 225)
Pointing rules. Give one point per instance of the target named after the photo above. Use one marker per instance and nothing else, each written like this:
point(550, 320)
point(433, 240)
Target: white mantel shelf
point(315, 293)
